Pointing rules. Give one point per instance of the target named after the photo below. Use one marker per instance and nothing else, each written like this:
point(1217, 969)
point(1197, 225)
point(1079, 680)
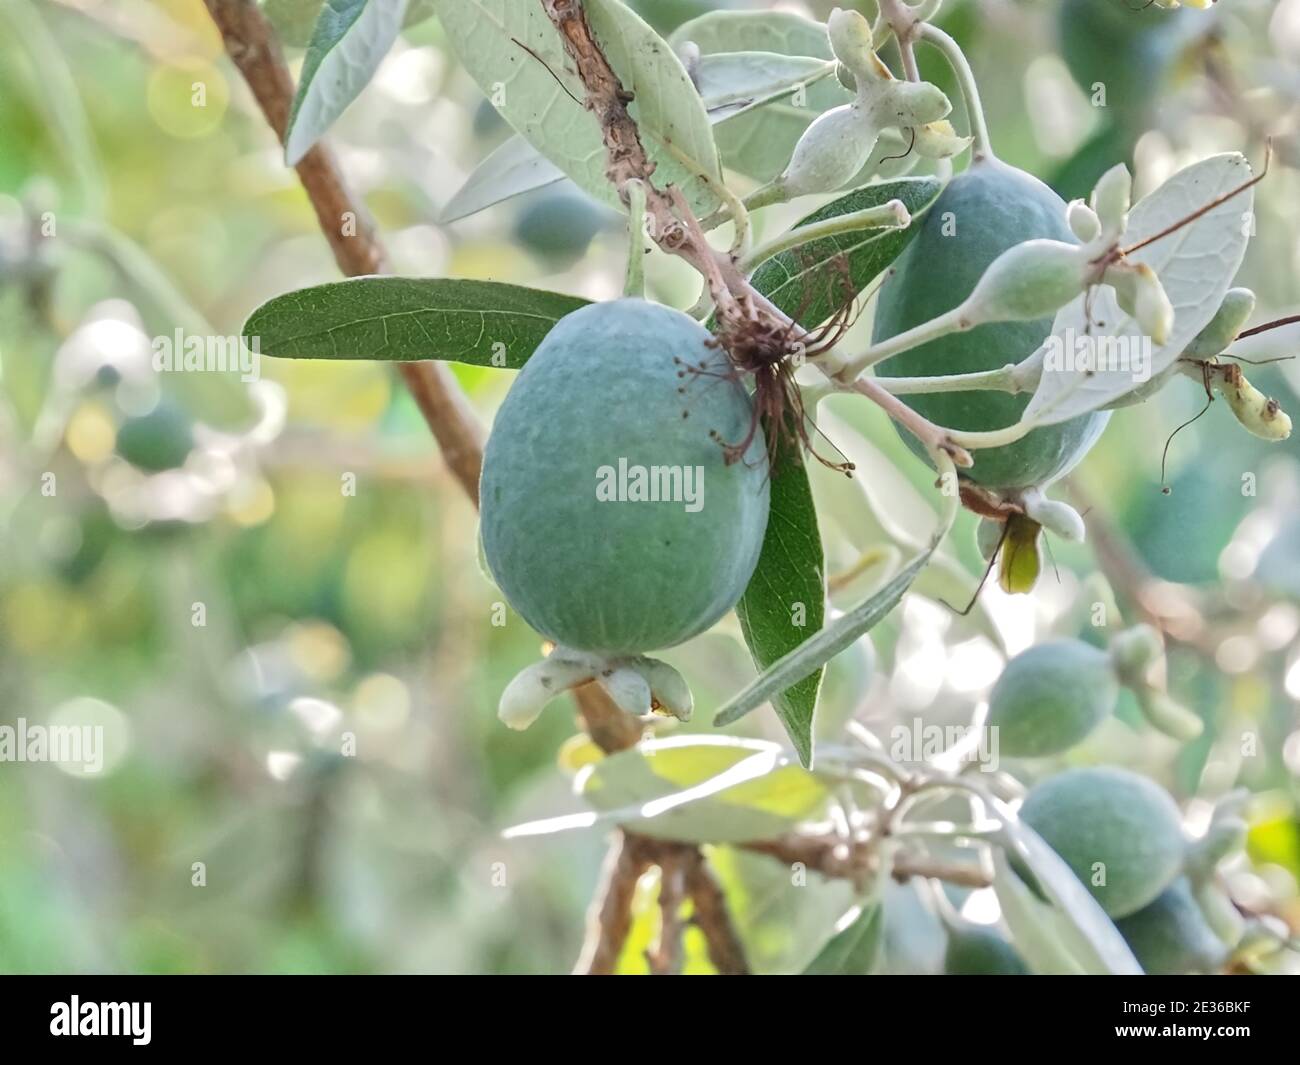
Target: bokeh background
point(180, 563)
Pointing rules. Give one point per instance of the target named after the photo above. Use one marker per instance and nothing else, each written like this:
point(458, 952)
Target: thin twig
point(251, 43)
point(666, 956)
point(838, 859)
point(712, 917)
point(610, 917)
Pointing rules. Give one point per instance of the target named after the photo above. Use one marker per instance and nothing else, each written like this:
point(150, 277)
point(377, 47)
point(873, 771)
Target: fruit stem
point(1005, 379)
point(979, 129)
point(991, 438)
point(952, 321)
point(634, 284)
point(891, 215)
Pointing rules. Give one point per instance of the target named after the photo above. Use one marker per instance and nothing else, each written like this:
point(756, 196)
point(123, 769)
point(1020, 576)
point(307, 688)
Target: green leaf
point(513, 168)
point(517, 58)
point(807, 281)
point(1034, 925)
point(754, 31)
point(732, 83)
point(1089, 935)
point(294, 20)
point(516, 167)
point(854, 950)
point(820, 648)
point(1196, 264)
point(649, 789)
point(349, 42)
point(758, 143)
point(786, 597)
point(400, 319)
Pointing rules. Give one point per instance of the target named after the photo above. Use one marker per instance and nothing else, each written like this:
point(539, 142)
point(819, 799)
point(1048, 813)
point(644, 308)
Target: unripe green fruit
point(982, 213)
point(1051, 697)
point(1118, 831)
point(606, 394)
point(159, 440)
point(1126, 48)
point(559, 225)
point(1171, 936)
point(976, 951)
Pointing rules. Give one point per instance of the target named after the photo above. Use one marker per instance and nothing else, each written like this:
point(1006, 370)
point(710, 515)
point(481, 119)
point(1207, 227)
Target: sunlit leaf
point(649, 789)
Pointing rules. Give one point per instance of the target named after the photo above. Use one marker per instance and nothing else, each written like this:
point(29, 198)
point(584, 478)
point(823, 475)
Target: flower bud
point(1229, 320)
point(905, 103)
point(1056, 517)
point(1083, 221)
point(831, 151)
point(850, 35)
point(1031, 280)
point(1111, 198)
point(1140, 293)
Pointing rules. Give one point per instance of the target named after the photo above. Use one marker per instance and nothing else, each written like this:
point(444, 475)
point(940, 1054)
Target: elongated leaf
point(1196, 264)
point(854, 950)
point(758, 143)
point(808, 281)
point(1034, 925)
point(820, 648)
point(518, 60)
point(754, 31)
point(349, 42)
point(294, 20)
point(785, 600)
point(642, 778)
point(1089, 934)
point(732, 83)
point(400, 319)
point(515, 167)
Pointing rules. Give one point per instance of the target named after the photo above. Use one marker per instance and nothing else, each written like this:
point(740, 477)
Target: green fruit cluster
point(1051, 697)
point(982, 212)
point(1119, 832)
point(617, 388)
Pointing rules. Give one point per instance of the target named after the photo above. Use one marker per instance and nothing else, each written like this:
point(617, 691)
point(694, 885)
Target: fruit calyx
point(636, 684)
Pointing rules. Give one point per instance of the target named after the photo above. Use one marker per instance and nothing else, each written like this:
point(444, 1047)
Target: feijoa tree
point(654, 469)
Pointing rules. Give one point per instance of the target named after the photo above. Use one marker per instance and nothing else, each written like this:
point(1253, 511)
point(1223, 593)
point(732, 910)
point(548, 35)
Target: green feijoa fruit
point(1171, 936)
point(159, 440)
point(1118, 831)
point(1050, 697)
point(1119, 53)
point(982, 212)
point(611, 518)
point(559, 224)
point(976, 951)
